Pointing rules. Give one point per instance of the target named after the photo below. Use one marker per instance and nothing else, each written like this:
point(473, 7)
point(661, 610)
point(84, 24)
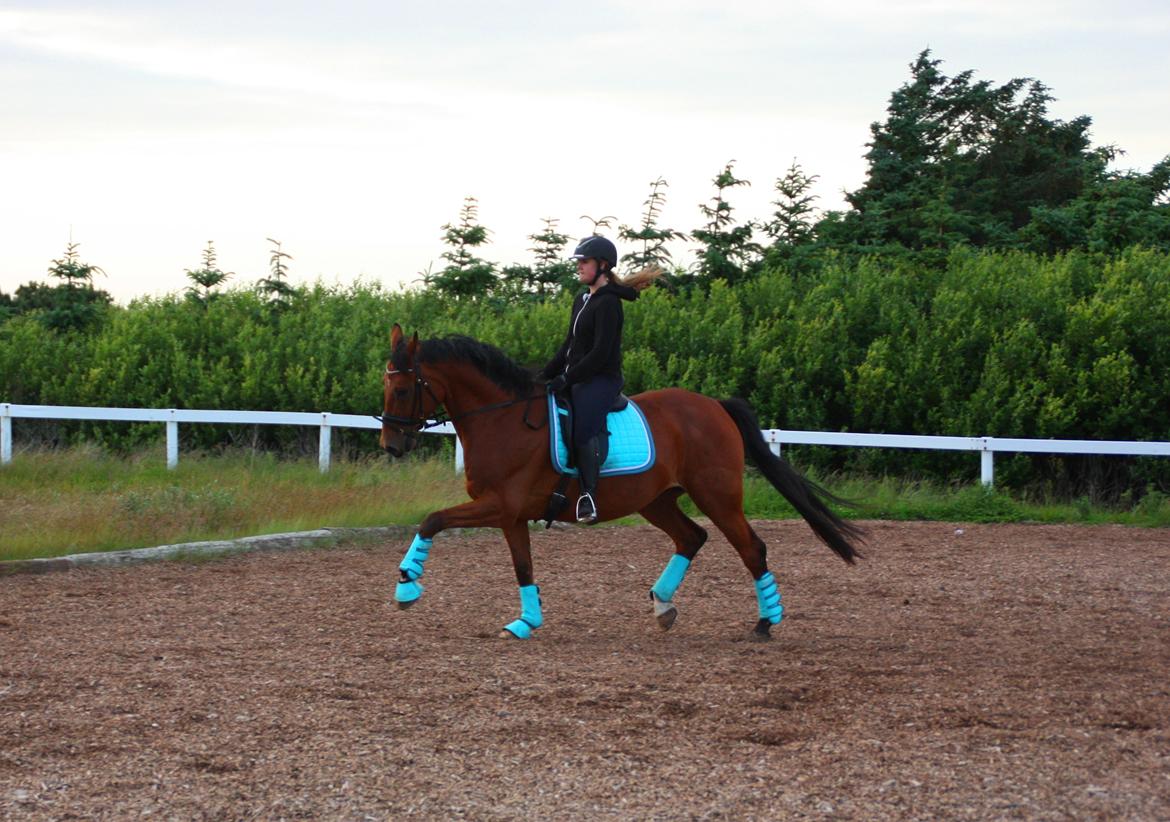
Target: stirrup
point(586, 509)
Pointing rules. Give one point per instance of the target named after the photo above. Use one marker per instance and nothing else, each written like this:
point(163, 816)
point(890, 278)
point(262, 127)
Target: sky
point(352, 131)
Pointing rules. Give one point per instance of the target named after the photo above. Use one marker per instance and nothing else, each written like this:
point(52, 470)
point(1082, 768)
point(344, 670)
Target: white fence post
point(987, 464)
point(5, 435)
point(325, 447)
point(458, 455)
point(773, 441)
point(172, 442)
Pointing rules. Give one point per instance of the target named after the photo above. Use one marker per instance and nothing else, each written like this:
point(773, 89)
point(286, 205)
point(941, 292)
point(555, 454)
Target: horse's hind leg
point(688, 537)
point(725, 508)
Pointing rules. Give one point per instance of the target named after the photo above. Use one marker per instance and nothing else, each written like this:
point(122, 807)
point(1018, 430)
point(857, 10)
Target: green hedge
point(1005, 344)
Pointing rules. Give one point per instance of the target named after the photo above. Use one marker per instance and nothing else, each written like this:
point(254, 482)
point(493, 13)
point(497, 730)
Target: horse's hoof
point(762, 632)
point(517, 629)
point(406, 593)
point(667, 617)
point(664, 612)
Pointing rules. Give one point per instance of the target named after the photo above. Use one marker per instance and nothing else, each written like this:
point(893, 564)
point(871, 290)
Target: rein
point(420, 423)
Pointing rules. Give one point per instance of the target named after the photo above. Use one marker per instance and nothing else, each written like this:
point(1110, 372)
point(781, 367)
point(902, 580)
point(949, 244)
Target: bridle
point(416, 422)
point(410, 427)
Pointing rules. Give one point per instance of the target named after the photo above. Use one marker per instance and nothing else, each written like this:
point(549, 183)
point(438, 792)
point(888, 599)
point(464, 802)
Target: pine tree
point(75, 273)
point(603, 222)
point(552, 272)
point(73, 305)
point(206, 278)
point(959, 161)
point(465, 274)
point(1119, 210)
point(792, 224)
point(652, 238)
point(728, 252)
point(276, 286)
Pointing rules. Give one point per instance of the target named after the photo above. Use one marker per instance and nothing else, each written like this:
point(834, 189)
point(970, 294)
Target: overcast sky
point(352, 133)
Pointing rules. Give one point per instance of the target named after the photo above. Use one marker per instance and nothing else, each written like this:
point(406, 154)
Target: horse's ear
point(395, 336)
point(412, 346)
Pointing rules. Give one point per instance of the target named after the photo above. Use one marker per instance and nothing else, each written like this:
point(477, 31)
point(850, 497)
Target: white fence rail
point(986, 446)
point(326, 422)
point(172, 417)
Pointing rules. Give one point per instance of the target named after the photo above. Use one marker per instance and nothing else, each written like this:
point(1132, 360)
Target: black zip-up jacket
point(593, 345)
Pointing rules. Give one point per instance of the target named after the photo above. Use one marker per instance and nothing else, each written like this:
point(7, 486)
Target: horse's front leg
point(484, 511)
point(530, 615)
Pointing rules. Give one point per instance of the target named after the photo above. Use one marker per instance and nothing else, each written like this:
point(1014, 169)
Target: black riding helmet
point(597, 248)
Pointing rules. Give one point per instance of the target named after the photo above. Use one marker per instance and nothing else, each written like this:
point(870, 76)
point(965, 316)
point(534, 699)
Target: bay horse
point(499, 412)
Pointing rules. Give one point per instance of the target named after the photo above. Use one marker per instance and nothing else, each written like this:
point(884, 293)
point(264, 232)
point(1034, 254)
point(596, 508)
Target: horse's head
point(407, 398)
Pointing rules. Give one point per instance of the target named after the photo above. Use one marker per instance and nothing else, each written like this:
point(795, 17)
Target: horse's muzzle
point(399, 443)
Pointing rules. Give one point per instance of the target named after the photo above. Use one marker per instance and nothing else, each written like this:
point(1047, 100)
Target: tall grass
point(57, 502)
point(892, 498)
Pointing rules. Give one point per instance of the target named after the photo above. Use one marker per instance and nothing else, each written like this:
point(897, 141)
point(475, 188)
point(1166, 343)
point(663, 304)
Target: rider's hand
point(557, 383)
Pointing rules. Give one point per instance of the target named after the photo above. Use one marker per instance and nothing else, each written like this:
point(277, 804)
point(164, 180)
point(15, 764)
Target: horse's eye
point(399, 393)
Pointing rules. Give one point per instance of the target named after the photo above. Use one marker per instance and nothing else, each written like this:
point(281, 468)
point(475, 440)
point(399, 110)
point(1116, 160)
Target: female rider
point(589, 362)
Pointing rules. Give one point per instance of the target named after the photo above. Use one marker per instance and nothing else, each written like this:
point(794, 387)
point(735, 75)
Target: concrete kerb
point(320, 538)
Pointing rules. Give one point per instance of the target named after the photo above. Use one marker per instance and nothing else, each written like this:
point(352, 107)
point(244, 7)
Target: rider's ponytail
point(639, 280)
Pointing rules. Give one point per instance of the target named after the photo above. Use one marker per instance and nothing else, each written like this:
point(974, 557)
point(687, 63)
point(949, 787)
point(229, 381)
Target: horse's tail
point(806, 497)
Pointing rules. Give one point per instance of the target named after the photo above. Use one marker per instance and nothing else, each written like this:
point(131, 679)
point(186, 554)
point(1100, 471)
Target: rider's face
point(586, 270)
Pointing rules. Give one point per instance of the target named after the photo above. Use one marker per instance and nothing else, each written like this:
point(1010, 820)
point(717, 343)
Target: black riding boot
point(588, 467)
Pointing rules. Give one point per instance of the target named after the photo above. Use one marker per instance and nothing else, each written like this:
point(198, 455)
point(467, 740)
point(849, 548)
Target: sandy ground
point(1005, 672)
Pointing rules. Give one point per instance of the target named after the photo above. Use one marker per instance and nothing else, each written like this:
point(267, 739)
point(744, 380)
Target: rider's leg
point(588, 469)
point(592, 400)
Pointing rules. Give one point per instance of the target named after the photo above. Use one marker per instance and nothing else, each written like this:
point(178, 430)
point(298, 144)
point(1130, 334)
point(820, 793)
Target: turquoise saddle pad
point(631, 445)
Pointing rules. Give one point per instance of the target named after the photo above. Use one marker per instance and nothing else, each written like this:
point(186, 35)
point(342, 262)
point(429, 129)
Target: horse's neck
point(466, 389)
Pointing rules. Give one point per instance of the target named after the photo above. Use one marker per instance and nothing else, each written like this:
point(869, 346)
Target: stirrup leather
point(586, 508)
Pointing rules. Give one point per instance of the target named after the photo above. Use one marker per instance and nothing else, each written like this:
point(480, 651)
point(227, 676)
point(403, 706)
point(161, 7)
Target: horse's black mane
point(487, 359)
